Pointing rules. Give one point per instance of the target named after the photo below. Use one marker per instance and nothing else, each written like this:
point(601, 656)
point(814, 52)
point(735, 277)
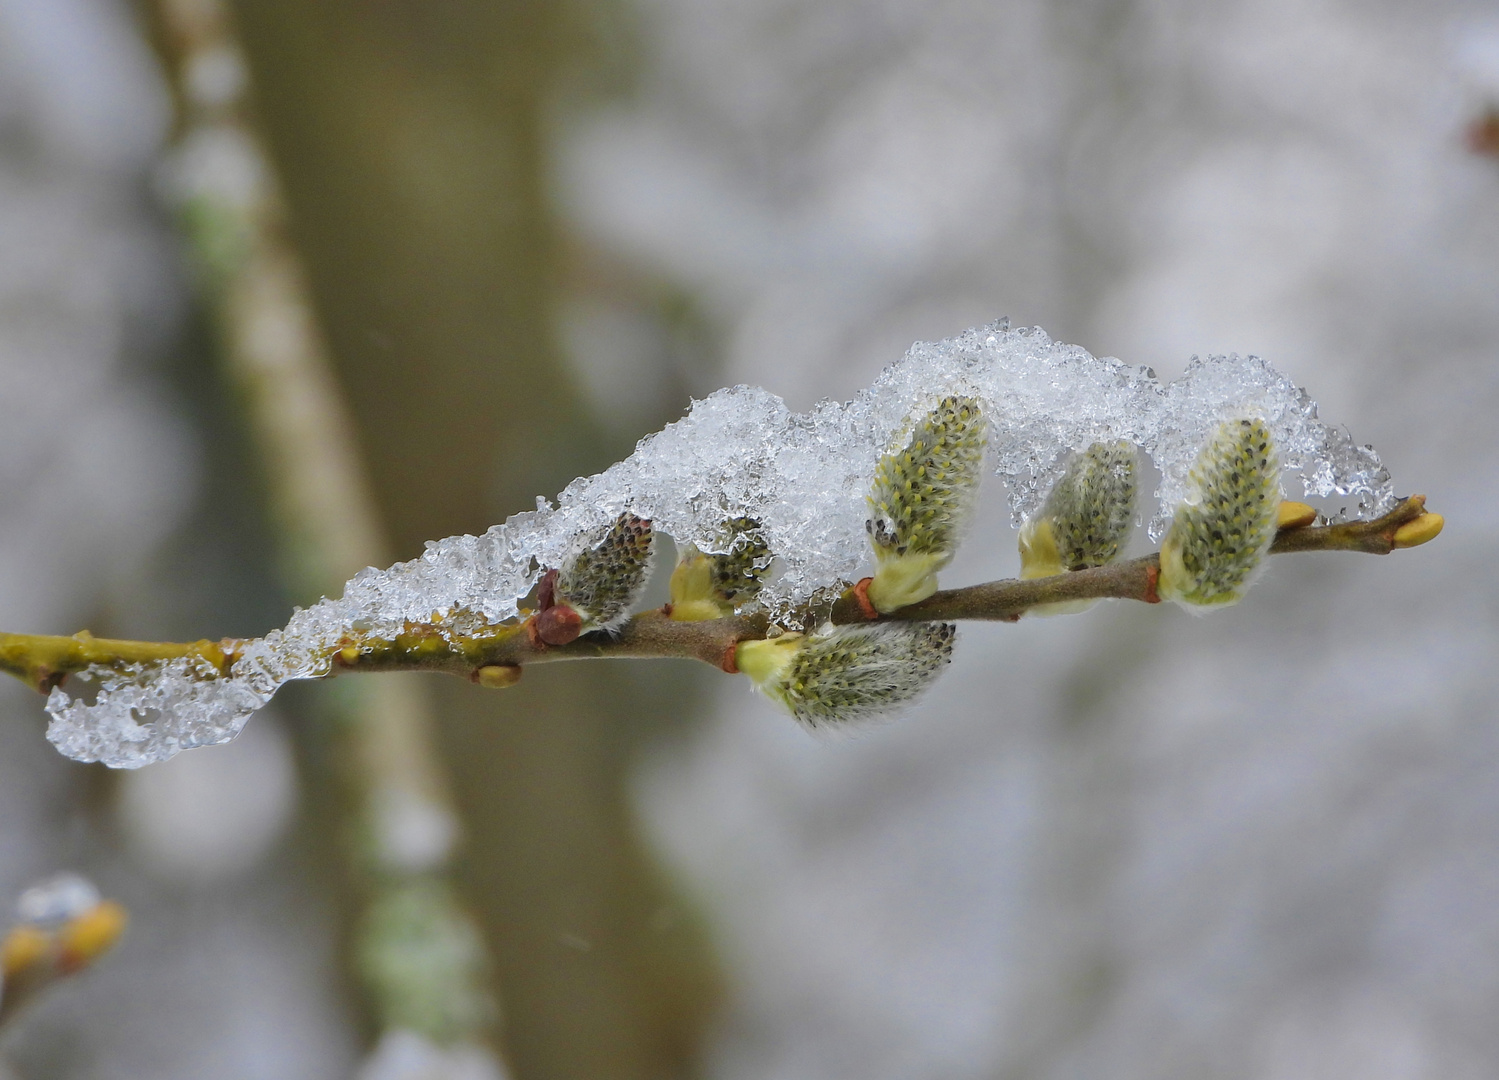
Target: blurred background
point(1128, 844)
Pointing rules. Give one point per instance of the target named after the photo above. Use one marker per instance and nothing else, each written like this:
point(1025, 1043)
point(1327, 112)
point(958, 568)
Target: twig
point(1133, 580)
point(44, 660)
point(494, 656)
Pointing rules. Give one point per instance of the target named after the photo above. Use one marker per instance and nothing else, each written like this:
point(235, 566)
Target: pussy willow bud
point(922, 498)
point(1087, 516)
point(715, 586)
point(849, 672)
point(1224, 527)
point(1085, 519)
point(600, 582)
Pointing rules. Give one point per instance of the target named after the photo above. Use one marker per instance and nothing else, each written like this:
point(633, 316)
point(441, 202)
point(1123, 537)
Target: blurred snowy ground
point(1126, 844)
point(226, 970)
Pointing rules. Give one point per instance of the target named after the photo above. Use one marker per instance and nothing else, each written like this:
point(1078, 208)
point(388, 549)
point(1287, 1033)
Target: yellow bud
point(1418, 531)
point(1295, 515)
point(1039, 556)
point(764, 660)
point(905, 579)
point(697, 611)
point(693, 577)
point(24, 947)
point(84, 938)
point(498, 676)
point(692, 597)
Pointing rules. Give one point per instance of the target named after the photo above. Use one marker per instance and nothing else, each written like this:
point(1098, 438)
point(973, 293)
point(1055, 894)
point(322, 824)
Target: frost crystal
point(741, 452)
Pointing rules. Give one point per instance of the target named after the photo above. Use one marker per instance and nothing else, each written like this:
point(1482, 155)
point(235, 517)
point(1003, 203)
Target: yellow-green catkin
point(706, 586)
point(1085, 520)
point(1223, 529)
point(848, 673)
point(606, 576)
point(922, 498)
point(1087, 516)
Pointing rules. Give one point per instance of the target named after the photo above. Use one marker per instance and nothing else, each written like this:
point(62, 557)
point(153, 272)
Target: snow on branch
point(778, 516)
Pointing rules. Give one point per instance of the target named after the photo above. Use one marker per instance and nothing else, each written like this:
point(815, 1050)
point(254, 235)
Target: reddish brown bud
point(558, 625)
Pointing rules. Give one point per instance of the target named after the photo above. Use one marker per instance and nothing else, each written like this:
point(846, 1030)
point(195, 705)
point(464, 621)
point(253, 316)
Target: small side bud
point(1419, 530)
point(848, 673)
point(1222, 530)
point(922, 498)
point(557, 625)
point(603, 579)
point(497, 676)
point(715, 586)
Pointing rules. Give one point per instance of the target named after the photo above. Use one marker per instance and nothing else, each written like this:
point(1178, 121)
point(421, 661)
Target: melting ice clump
point(741, 453)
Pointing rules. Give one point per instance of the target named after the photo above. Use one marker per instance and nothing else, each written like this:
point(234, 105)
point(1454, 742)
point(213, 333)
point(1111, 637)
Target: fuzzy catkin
point(1220, 534)
point(1092, 506)
point(923, 493)
point(705, 586)
point(606, 577)
point(738, 574)
point(921, 500)
point(849, 673)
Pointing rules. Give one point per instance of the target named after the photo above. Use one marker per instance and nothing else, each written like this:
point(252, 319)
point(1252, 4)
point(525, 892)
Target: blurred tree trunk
point(409, 140)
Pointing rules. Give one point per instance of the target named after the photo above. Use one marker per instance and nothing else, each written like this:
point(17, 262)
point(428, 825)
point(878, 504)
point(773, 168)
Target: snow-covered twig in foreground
point(799, 505)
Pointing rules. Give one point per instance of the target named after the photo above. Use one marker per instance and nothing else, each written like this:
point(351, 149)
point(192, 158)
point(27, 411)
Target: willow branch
point(1135, 579)
point(44, 660)
point(495, 655)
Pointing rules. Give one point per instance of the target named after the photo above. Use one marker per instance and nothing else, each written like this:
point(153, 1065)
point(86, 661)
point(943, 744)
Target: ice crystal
point(741, 452)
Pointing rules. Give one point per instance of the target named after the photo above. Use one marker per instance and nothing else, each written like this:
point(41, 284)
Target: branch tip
point(1417, 531)
point(1294, 515)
